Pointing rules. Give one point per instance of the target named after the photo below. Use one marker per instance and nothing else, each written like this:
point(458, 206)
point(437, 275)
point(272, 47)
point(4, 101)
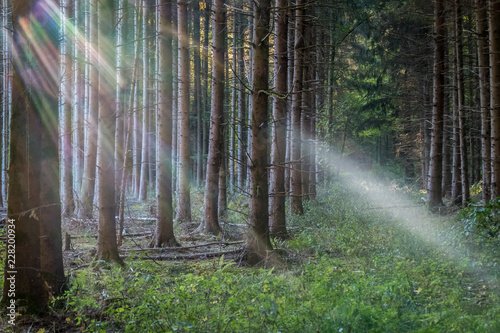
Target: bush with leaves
point(482, 220)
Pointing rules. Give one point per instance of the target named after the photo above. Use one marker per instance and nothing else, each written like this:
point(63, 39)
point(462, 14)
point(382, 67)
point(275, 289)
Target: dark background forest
point(234, 165)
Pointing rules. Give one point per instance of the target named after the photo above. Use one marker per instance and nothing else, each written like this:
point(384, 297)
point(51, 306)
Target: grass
point(349, 268)
point(362, 258)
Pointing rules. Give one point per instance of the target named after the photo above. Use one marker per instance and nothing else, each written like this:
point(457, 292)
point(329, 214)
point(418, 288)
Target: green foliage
point(352, 270)
point(483, 220)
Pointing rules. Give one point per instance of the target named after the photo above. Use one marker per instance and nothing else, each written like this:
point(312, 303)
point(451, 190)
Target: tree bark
point(107, 248)
point(494, 28)
point(277, 211)
point(143, 185)
point(210, 223)
point(464, 166)
point(484, 95)
point(89, 171)
point(242, 110)
point(184, 201)
point(66, 93)
point(34, 210)
point(434, 190)
point(164, 236)
point(120, 107)
point(259, 242)
point(296, 174)
point(197, 93)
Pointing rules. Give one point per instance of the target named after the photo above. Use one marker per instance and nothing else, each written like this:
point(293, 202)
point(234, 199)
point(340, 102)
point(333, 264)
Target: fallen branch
point(191, 256)
point(180, 248)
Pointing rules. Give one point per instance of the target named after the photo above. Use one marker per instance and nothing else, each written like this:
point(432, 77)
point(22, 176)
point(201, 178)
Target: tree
point(164, 223)
point(277, 212)
point(434, 191)
point(258, 219)
point(34, 208)
point(242, 103)
point(143, 184)
point(494, 28)
point(66, 94)
point(107, 248)
point(184, 201)
point(210, 221)
point(296, 174)
point(460, 102)
point(484, 95)
point(89, 171)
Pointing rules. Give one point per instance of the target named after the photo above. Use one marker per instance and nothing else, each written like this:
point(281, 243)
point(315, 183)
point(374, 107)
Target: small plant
point(483, 220)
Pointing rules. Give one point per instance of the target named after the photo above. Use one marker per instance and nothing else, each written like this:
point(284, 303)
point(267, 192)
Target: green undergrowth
point(348, 268)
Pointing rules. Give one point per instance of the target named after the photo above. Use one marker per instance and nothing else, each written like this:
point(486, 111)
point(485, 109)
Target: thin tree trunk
point(484, 95)
point(494, 28)
point(67, 151)
point(89, 172)
point(206, 76)
point(121, 213)
point(197, 93)
point(456, 184)
point(210, 222)
point(137, 158)
point(277, 211)
point(242, 110)
point(143, 185)
point(107, 248)
point(434, 190)
point(164, 236)
point(184, 201)
point(120, 108)
point(464, 166)
point(78, 101)
point(296, 174)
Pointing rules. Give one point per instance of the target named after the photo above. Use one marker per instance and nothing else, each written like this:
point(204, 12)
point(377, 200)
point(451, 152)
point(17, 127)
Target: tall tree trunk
point(259, 242)
point(234, 108)
point(296, 174)
point(484, 94)
point(494, 28)
point(242, 110)
point(206, 76)
point(7, 97)
point(120, 107)
point(175, 102)
point(89, 171)
point(434, 190)
point(78, 103)
point(143, 185)
point(126, 157)
point(137, 156)
point(34, 210)
point(66, 85)
point(164, 223)
point(198, 107)
point(277, 211)
point(464, 166)
point(456, 185)
point(107, 248)
point(210, 222)
point(290, 87)
point(184, 201)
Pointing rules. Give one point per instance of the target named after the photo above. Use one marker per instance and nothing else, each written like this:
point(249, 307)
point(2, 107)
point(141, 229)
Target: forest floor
point(366, 256)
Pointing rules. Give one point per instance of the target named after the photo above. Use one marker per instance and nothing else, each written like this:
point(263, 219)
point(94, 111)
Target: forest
point(250, 165)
